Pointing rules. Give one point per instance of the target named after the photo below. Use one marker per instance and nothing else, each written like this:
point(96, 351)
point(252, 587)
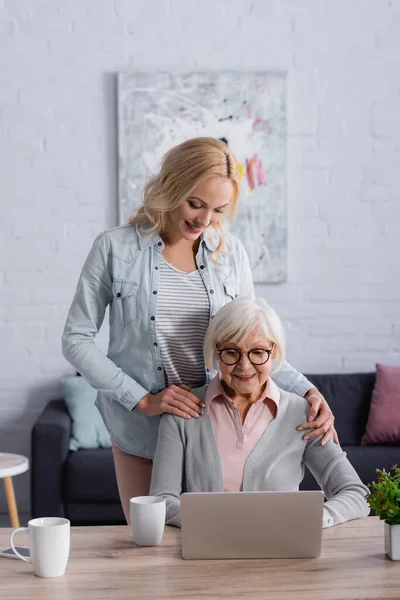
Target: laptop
point(251, 524)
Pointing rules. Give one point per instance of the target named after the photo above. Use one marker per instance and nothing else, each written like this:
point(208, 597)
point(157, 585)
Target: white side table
point(10, 465)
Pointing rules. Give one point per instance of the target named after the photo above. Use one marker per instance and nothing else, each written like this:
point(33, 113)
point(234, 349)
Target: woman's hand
point(324, 423)
point(175, 399)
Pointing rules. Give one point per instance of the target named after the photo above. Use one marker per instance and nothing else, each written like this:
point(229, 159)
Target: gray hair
point(236, 320)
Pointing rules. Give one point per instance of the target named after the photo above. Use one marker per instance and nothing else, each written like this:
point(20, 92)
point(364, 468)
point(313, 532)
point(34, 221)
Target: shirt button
point(201, 266)
point(152, 318)
point(118, 294)
point(159, 369)
point(211, 291)
point(154, 292)
point(156, 268)
point(160, 243)
point(155, 344)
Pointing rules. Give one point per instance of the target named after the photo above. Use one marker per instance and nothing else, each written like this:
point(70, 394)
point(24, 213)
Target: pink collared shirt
point(236, 441)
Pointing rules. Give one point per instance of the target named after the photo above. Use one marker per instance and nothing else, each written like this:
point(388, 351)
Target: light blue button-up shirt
point(122, 271)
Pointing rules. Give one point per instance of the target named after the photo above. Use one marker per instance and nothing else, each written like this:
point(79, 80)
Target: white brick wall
point(58, 168)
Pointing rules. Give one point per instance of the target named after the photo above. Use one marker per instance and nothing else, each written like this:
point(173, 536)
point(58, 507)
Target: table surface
point(12, 464)
point(105, 563)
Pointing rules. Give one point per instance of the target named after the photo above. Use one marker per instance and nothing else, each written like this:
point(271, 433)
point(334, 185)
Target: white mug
point(48, 545)
point(147, 519)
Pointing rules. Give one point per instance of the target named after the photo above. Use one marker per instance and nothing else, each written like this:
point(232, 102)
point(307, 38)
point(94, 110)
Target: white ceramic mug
point(49, 539)
point(147, 519)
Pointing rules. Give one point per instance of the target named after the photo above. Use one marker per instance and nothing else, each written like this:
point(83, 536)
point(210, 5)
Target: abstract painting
point(248, 111)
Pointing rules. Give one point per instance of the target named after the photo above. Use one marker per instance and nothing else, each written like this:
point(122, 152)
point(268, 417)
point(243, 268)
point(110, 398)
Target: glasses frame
point(241, 352)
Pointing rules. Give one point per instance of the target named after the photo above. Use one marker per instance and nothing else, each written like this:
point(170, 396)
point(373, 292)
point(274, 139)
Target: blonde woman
point(248, 439)
point(164, 276)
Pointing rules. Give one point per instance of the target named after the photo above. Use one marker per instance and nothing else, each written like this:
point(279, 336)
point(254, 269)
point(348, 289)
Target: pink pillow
point(383, 425)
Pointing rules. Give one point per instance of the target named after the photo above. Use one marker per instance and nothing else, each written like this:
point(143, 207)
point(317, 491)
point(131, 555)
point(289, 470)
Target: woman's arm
point(291, 380)
point(85, 317)
point(320, 418)
point(338, 479)
point(168, 468)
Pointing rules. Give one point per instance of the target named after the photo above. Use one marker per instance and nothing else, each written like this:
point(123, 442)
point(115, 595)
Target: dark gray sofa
point(81, 485)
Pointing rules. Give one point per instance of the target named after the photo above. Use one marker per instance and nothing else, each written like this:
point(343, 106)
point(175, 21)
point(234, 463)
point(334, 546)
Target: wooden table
point(11, 465)
point(105, 564)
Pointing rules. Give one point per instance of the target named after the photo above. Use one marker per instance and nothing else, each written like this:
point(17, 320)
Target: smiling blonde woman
point(164, 276)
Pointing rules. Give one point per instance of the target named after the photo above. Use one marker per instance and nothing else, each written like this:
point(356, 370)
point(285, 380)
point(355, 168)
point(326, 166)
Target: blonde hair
point(182, 169)
point(236, 320)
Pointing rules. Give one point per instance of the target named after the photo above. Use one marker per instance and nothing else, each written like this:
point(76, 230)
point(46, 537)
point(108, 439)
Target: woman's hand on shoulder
point(320, 418)
point(175, 399)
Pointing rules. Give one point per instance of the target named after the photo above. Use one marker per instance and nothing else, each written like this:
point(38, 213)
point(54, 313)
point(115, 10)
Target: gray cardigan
point(187, 460)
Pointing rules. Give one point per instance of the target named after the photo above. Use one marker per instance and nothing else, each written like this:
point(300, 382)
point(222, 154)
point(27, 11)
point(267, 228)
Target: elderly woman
point(247, 440)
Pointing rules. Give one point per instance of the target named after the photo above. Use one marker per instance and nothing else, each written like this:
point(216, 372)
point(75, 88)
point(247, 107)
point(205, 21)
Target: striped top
point(183, 315)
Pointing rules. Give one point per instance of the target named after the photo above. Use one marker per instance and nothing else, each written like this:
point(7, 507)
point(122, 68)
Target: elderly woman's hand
point(320, 418)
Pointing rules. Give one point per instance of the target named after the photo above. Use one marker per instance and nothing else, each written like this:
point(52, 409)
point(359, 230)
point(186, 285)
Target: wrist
point(143, 401)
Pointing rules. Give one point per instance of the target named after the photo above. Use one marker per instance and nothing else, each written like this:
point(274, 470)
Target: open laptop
point(251, 524)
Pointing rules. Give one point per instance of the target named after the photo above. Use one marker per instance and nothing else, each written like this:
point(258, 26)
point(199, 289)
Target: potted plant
point(384, 499)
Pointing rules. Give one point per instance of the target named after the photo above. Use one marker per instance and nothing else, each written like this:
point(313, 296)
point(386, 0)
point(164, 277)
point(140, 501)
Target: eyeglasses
point(257, 356)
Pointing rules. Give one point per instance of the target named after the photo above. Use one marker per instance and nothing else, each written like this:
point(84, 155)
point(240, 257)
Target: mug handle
point(25, 558)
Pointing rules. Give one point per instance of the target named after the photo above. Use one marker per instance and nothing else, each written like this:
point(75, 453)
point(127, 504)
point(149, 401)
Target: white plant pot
point(392, 541)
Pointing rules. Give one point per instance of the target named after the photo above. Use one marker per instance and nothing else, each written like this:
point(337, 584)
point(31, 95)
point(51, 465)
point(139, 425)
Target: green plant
point(384, 496)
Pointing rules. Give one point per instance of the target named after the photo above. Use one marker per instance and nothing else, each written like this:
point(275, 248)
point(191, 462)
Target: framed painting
point(248, 111)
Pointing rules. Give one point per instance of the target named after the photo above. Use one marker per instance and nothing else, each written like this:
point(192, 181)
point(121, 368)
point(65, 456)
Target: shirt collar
point(147, 237)
point(215, 389)
point(210, 239)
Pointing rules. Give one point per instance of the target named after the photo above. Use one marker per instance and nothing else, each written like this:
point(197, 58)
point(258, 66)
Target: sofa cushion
point(383, 426)
point(365, 460)
point(90, 477)
point(88, 429)
point(349, 396)
point(80, 513)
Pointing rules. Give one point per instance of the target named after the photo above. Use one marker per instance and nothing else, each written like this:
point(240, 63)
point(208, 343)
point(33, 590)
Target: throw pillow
point(383, 426)
point(88, 429)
